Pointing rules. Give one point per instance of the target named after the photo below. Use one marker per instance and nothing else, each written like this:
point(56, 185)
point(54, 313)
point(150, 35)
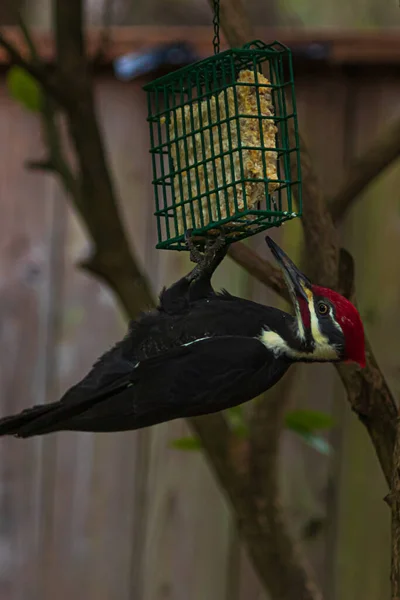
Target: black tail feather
point(14, 424)
point(57, 416)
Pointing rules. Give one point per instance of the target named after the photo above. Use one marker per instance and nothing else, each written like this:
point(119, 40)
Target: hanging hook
point(216, 41)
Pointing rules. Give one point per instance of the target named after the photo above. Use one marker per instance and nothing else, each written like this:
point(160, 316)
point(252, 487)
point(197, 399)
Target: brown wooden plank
point(371, 232)
point(188, 524)
point(26, 229)
point(123, 113)
point(182, 514)
point(94, 474)
point(105, 471)
point(342, 46)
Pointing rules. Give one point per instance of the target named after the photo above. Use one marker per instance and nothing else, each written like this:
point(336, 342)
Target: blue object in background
point(315, 51)
point(179, 54)
point(134, 65)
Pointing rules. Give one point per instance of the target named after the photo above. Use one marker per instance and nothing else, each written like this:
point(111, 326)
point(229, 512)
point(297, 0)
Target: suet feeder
point(224, 145)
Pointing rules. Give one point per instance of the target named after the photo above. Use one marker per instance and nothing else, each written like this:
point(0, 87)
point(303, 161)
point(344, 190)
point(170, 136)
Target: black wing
point(199, 378)
point(203, 377)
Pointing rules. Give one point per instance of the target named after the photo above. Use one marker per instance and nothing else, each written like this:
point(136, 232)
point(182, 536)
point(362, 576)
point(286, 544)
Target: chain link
point(216, 41)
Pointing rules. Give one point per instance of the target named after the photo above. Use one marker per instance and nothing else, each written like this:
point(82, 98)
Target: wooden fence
point(125, 516)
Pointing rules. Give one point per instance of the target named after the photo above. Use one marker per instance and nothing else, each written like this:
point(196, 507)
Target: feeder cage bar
point(225, 145)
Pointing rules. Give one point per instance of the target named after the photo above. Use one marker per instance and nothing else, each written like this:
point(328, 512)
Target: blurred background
point(127, 516)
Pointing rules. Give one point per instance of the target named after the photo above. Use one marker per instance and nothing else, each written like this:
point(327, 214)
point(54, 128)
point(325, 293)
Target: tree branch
point(114, 261)
point(320, 236)
point(393, 499)
point(259, 268)
point(234, 22)
point(289, 576)
point(41, 74)
point(367, 390)
point(251, 485)
point(68, 27)
point(383, 151)
point(57, 162)
point(17, 59)
point(274, 553)
point(219, 444)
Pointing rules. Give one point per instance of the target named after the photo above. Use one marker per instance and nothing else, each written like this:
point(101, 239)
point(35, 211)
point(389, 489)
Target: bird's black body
point(159, 371)
point(199, 352)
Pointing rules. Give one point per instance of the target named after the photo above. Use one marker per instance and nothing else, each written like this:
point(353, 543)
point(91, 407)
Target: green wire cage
point(225, 145)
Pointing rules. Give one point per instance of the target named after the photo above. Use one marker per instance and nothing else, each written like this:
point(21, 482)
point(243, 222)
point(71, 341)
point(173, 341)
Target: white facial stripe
point(319, 338)
point(276, 344)
point(323, 349)
point(336, 324)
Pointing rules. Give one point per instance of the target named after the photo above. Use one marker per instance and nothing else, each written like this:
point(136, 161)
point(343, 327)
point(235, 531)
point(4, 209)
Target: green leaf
point(305, 422)
point(308, 420)
point(316, 442)
point(189, 444)
point(24, 89)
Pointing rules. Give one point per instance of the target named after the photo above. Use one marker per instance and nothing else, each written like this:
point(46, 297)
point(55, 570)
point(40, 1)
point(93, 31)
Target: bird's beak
point(298, 284)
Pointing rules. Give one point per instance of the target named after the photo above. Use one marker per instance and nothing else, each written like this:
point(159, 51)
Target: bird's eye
point(323, 308)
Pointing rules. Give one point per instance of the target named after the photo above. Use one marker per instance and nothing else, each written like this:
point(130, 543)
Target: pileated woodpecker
point(201, 352)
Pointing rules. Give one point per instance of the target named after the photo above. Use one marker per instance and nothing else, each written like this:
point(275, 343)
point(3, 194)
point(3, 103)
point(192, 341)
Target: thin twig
point(57, 161)
point(28, 40)
point(381, 153)
point(18, 59)
point(38, 71)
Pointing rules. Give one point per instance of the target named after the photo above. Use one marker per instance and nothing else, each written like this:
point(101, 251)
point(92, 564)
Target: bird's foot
point(208, 261)
point(195, 254)
point(213, 247)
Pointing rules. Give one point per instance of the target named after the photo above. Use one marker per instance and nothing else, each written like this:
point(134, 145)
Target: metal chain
point(216, 42)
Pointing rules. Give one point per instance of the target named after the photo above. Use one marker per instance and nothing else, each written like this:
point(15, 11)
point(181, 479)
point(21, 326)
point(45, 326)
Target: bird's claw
point(195, 254)
point(211, 247)
point(207, 261)
point(214, 246)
